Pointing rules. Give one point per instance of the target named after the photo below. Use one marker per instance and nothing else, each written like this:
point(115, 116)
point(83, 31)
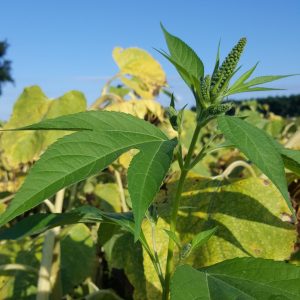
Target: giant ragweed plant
point(98, 138)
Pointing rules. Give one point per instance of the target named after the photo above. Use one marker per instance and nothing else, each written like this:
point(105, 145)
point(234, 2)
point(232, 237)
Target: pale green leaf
point(251, 86)
point(245, 89)
point(240, 278)
point(242, 78)
point(264, 79)
point(202, 237)
point(258, 147)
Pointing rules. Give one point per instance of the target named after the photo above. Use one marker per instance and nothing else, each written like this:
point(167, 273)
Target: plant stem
point(45, 282)
point(174, 212)
point(121, 191)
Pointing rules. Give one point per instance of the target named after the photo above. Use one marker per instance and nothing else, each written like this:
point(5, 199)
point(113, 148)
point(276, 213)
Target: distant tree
point(5, 66)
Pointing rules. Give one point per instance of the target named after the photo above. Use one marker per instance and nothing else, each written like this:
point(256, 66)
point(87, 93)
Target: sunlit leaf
point(257, 146)
point(104, 136)
point(147, 76)
point(184, 56)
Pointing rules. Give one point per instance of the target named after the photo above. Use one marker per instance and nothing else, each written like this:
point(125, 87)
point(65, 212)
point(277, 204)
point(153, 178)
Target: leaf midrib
point(25, 203)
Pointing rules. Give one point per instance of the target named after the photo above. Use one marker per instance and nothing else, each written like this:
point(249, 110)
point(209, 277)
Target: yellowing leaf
point(147, 76)
point(248, 214)
point(109, 196)
point(33, 106)
point(139, 108)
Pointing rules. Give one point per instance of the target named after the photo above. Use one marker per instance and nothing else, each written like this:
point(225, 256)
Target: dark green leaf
point(239, 278)
point(39, 223)
point(105, 136)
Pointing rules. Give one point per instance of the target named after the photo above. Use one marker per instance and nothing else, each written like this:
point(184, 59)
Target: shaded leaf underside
point(41, 222)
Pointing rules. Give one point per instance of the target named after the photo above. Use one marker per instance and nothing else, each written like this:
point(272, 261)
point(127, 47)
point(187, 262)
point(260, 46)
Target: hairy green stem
point(175, 206)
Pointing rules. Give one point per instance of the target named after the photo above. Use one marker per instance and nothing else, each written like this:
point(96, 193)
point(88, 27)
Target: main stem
point(175, 205)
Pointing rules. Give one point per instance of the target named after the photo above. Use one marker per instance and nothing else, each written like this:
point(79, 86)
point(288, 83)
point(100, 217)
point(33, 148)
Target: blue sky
point(67, 45)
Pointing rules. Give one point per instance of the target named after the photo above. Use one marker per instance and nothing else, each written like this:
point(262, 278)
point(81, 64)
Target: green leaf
point(105, 136)
point(258, 147)
point(38, 223)
point(249, 90)
point(243, 78)
point(183, 55)
point(188, 79)
point(77, 250)
point(239, 278)
point(146, 172)
point(240, 86)
point(264, 79)
point(217, 64)
point(198, 240)
point(291, 158)
point(202, 237)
